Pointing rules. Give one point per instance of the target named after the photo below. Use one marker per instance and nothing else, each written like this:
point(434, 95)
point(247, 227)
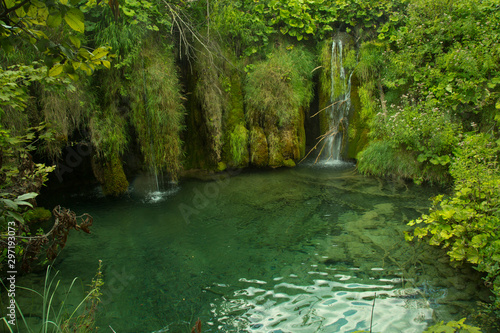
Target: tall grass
point(56, 318)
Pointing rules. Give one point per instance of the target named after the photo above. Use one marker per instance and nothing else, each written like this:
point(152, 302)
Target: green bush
point(452, 326)
point(381, 159)
point(467, 222)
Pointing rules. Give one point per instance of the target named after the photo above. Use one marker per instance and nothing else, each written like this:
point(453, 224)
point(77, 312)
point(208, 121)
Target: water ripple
point(323, 306)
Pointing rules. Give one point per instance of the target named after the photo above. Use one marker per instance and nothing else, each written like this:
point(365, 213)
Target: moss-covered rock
point(111, 176)
point(301, 134)
point(221, 166)
point(359, 126)
point(216, 126)
point(238, 142)
point(241, 119)
point(38, 214)
point(277, 93)
point(259, 153)
point(275, 146)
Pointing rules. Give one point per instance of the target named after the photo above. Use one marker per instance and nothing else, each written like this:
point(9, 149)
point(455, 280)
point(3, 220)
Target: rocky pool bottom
point(308, 249)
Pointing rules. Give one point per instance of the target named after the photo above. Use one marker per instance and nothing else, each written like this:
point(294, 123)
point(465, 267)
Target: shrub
point(466, 223)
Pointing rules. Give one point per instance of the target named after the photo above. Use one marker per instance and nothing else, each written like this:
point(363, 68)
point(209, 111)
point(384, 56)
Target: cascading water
point(340, 105)
point(155, 192)
point(153, 157)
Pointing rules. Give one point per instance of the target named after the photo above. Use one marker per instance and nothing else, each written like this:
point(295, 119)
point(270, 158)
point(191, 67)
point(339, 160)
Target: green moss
point(301, 135)
point(277, 88)
point(236, 140)
point(276, 149)
point(108, 132)
point(157, 109)
point(221, 166)
point(359, 124)
point(277, 93)
point(111, 176)
point(289, 163)
point(380, 158)
point(39, 214)
point(239, 146)
point(194, 135)
point(216, 121)
point(259, 153)
point(211, 91)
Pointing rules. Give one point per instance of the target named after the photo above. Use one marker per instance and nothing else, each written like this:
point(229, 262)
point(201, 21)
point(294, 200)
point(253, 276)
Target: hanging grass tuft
point(157, 110)
point(279, 86)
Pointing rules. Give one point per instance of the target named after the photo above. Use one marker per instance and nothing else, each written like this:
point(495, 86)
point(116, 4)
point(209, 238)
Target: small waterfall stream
point(153, 168)
point(340, 105)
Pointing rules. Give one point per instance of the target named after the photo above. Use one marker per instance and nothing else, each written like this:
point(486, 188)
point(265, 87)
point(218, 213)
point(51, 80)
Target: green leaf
point(56, 70)
point(24, 203)
point(9, 203)
point(422, 158)
point(448, 214)
point(420, 232)
point(473, 256)
point(128, 12)
point(54, 21)
point(75, 41)
point(408, 237)
point(309, 29)
point(10, 3)
point(16, 216)
point(27, 196)
point(74, 18)
point(99, 53)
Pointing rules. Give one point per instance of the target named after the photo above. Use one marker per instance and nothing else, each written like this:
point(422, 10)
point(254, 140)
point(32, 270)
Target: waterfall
point(340, 105)
point(148, 116)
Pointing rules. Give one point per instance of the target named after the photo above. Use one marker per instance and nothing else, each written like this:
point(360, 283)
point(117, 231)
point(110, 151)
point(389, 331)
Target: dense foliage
point(466, 222)
point(426, 85)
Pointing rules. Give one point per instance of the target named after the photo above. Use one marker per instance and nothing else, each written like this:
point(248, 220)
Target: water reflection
point(296, 250)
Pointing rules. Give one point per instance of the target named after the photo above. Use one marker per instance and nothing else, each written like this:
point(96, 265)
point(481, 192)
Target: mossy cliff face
point(111, 176)
point(157, 109)
point(277, 93)
point(216, 135)
point(236, 119)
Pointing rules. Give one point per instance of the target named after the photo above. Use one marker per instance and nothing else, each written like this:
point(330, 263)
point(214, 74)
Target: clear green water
point(296, 250)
